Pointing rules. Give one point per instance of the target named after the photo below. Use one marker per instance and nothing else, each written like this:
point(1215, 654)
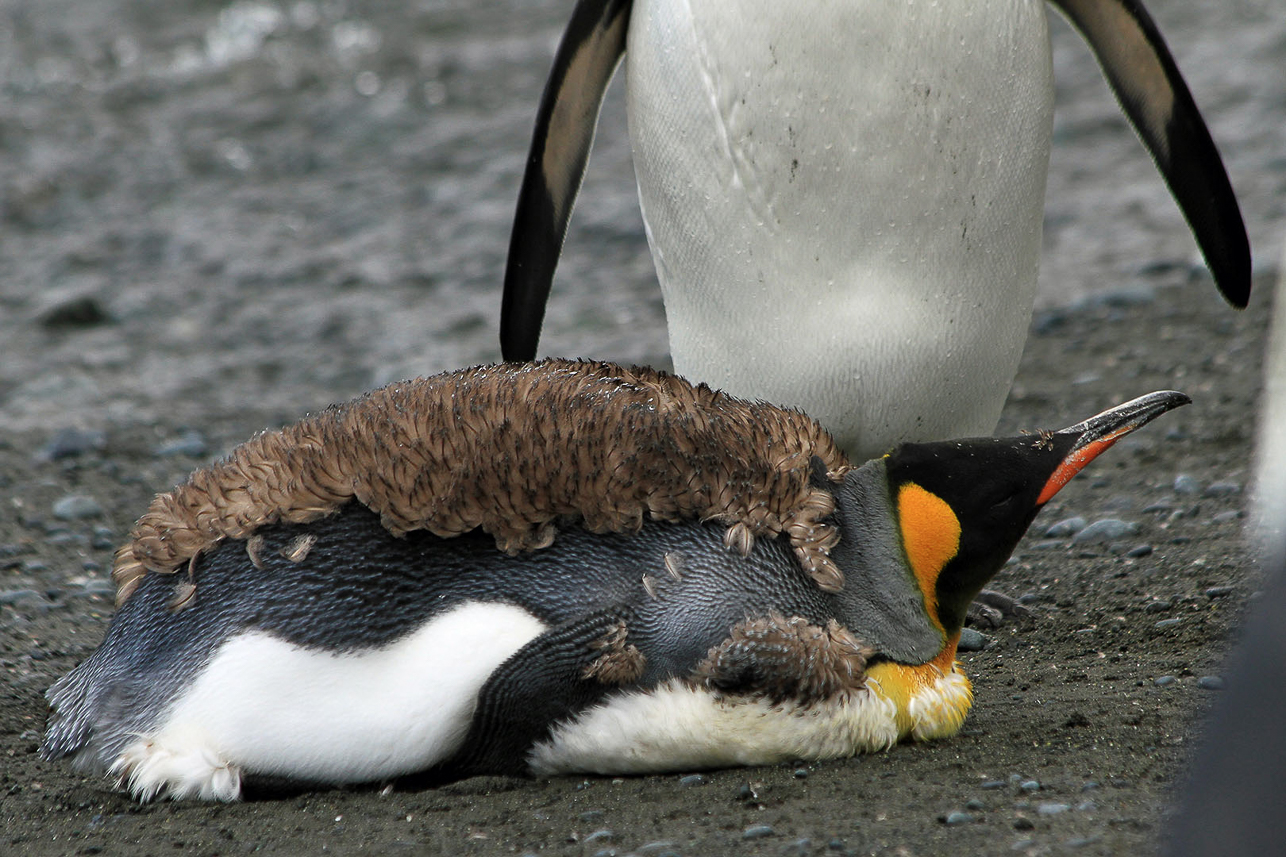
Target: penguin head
point(961, 506)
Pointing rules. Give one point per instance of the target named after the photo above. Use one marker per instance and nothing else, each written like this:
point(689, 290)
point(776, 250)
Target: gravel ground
point(214, 220)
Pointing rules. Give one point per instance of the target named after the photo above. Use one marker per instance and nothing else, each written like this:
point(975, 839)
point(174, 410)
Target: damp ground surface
point(214, 221)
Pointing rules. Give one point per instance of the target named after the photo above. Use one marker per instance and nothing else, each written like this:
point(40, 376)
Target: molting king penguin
point(549, 568)
point(844, 200)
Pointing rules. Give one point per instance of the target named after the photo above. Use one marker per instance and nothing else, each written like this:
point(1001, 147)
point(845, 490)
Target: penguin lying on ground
point(844, 201)
point(375, 632)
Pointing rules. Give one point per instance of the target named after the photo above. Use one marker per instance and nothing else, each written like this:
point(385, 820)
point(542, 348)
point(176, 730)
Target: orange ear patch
point(930, 536)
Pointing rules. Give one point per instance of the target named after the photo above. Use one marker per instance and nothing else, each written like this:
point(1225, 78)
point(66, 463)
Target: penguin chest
point(265, 706)
point(850, 190)
point(680, 727)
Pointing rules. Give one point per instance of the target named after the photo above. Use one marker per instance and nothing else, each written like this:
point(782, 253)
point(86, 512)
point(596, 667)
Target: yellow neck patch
point(930, 536)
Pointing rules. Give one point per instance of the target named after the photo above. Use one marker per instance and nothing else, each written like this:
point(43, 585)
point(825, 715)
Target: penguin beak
point(1102, 430)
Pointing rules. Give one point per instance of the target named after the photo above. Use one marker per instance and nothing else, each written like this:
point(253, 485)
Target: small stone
point(757, 831)
point(76, 506)
point(1218, 591)
point(1158, 606)
point(835, 844)
point(1086, 806)
point(1168, 623)
point(1089, 786)
point(957, 817)
point(69, 442)
point(1048, 809)
point(1227, 517)
point(991, 785)
point(1222, 489)
point(801, 773)
point(799, 848)
point(17, 597)
point(75, 312)
point(974, 805)
point(1185, 484)
point(1029, 786)
point(1023, 823)
point(599, 836)
point(658, 848)
point(1210, 682)
point(1139, 551)
point(971, 641)
point(191, 443)
point(692, 780)
point(1066, 527)
point(1105, 530)
point(1165, 681)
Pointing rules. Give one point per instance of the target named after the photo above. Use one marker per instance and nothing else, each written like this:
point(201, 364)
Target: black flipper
point(1143, 74)
point(541, 685)
point(587, 58)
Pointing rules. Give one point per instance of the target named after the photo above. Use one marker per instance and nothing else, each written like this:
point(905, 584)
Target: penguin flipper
point(551, 679)
point(587, 57)
point(1154, 96)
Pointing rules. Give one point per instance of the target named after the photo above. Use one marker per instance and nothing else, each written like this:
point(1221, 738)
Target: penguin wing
point(587, 58)
point(1152, 92)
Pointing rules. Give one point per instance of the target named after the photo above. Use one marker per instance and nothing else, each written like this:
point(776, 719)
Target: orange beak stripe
point(1076, 462)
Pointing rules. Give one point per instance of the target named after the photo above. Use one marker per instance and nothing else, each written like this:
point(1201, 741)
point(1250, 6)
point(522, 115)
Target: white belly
point(844, 201)
point(265, 706)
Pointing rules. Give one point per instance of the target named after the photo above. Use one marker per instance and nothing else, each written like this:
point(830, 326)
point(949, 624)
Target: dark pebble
point(76, 506)
point(1165, 681)
point(75, 312)
point(971, 641)
point(1168, 623)
point(757, 831)
point(1089, 786)
point(952, 819)
point(1210, 682)
point(1105, 530)
point(1066, 527)
point(1222, 489)
point(1139, 551)
point(693, 780)
point(1021, 823)
point(69, 442)
point(801, 773)
point(974, 805)
point(1185, 484)
point(836, 844)
point(1157, 606)
point(1218, 591)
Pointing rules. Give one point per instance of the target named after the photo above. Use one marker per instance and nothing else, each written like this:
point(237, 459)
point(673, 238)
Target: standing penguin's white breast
point(849, 193)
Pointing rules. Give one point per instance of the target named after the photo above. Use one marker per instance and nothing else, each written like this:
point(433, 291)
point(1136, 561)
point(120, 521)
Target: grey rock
point(1168, 623)
point(693, 780)
point(1029, 786)
point(971, 640)
point(70, 442)
point(757, 831)
point(1222, 489)
point(191, 443)
point(1219, 591)
point(1185, 484)
point(1165, 681)
point(1139, 551)
point(599, 836)
point(1105, 530)
point(1227, 517)
point(1210, 682)
point(76, 506)
point(1048, 809)
point(1066, 527)
point(957, 817)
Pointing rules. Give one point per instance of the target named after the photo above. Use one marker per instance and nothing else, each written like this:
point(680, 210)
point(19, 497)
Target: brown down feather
point(514, 449)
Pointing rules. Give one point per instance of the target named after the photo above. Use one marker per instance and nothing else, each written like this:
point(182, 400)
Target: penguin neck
point(881, 595)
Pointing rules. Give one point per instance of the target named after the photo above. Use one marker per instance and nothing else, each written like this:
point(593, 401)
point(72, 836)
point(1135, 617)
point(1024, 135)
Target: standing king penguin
point(529, 569)
point(844, 200)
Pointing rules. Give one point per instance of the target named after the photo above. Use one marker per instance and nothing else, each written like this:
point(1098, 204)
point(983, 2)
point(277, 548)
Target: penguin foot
point(991, 609)
point(176, 768)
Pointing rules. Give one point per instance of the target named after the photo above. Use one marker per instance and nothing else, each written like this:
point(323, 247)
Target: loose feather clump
point(515, 449)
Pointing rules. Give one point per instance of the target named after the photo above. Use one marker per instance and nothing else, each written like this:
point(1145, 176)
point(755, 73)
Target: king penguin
point(844, 200)
point(490, 582)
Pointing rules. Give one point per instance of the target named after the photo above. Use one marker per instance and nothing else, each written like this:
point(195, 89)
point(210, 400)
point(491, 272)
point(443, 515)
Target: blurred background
point(216, 206)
